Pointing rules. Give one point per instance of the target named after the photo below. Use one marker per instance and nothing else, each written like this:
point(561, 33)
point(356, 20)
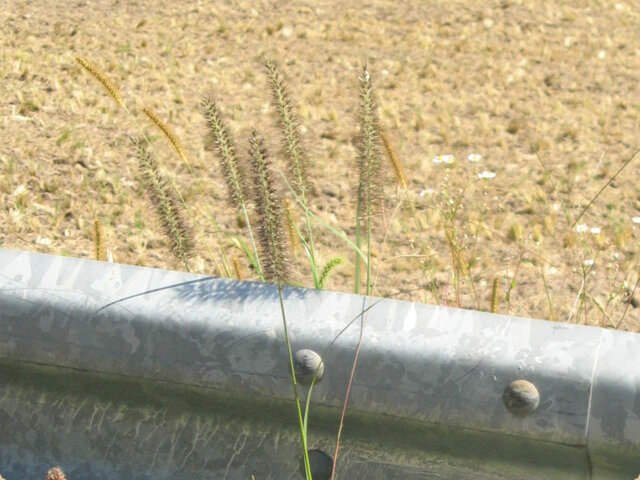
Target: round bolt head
point(321, 465)
point(306, 364)
point(521, 398)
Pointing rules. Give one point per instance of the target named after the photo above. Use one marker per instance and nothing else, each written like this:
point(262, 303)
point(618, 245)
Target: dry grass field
point(546, 92)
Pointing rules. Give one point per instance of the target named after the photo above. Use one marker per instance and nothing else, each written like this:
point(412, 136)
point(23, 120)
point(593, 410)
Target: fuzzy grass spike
point(233, 172)
point(169, 207)
point(392, 156)
point(102, 78)
point(370, 184)
point(167, 132)
point(268, 207)
point(292, 147)
point(98, 240)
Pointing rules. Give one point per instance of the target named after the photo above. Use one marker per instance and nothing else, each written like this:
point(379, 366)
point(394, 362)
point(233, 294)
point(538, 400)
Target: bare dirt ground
point(510, 80)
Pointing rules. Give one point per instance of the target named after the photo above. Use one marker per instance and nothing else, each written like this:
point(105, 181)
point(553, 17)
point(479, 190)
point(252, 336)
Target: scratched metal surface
point(122, 372)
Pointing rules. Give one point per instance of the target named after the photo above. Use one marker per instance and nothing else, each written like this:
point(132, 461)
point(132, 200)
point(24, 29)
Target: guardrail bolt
point(306, 364)
point(321, 465)
point(521, 398)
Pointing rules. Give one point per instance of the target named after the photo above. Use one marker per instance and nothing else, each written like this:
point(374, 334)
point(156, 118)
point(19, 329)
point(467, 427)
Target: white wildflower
point(635, 220)
point(595, 230)
point(437, 160)
point(43, 240)
point(474, 157)
point(427, 191)
point(448, 159)
point(581, 228)
point(487, 175)
point(588, 263)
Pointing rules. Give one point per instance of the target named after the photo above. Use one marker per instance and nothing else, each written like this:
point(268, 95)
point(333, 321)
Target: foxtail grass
point(98, 240)
point(168, 206)
point(328, 268)
point(293, 234)
point(103, 79)
point(272, 239)
point(294, 153)
point(234, 174)
point(392, 156)
point(180, 150)
point(167, 132)
point(495, 295)
point(111, 89)
point(268, 207)
point(290, 128)
point(370, 184)
point(236, 268)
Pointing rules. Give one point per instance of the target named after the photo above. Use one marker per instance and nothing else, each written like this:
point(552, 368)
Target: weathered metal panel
point(122, 372)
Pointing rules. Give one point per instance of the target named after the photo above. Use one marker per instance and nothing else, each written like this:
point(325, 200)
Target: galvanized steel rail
point(120, 372)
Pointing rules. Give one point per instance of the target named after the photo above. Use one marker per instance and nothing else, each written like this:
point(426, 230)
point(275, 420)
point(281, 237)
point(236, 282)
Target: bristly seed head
point(164, 199)
point(167, 132)
point(98, 239)
point(233, 171)
point(102, 78)
point(292, 146)
point(370, 185)
point(268, 207)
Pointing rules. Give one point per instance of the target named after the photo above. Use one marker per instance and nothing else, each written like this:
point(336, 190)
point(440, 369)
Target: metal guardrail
point(120, 372)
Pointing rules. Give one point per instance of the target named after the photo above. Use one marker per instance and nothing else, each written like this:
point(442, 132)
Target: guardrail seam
point(589, 403)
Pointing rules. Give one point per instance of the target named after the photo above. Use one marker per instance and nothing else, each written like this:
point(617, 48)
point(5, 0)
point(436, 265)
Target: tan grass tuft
point(167, 132)
point(392, 156)
point(98, 240)
point(166, 202)
point(268, 207)
point(102, 78)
